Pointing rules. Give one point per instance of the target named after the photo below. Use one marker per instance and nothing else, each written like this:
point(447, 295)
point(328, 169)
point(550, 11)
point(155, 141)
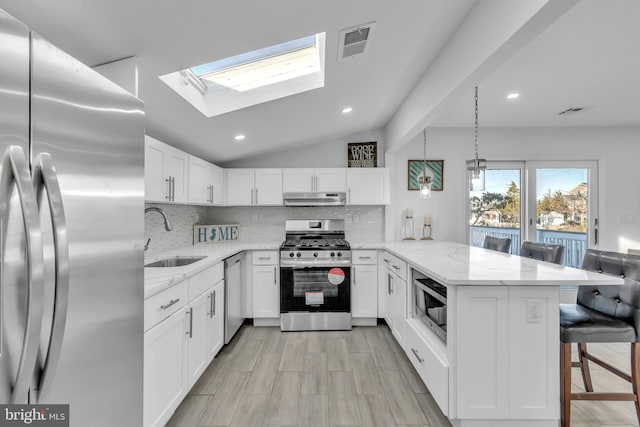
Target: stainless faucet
point(167, 224)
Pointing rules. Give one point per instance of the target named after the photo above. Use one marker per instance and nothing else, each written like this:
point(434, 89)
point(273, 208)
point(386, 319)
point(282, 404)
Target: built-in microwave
point(430, 305)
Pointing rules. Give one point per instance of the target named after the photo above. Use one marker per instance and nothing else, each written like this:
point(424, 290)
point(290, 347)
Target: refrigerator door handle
point(45, 178)
point(15, 168)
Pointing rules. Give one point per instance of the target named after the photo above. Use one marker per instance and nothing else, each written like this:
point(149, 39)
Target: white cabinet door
point(177, 168)
point(399, 310)
point(197, 338)
point(268, 187)
point(364, 291)
point(240, 187)
point(298, 180)
point(331, 179)
point(215, 321)
point(156, 189)
point(367, 186)
point(217, 183)
point(266, 291)
point(199, 181)
point(165, 360)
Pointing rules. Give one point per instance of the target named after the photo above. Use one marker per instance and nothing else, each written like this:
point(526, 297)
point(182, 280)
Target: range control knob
point(315, 254)
point(291, 254)
point(298, 254)
point(339, 253)
point(333, 254)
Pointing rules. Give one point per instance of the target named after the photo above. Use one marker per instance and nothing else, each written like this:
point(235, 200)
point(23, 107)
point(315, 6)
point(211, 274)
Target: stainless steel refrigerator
point(71, 212)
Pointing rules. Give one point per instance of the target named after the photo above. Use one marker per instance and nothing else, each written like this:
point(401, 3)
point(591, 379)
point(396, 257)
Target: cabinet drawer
point(204, 280)
point(364, 257)
point(396, 265)
point(429, 364)
point(159, 307)
point(265, 258)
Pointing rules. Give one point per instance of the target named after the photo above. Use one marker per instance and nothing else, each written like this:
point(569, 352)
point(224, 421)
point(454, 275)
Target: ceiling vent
point(354, 41)
point(573, 110)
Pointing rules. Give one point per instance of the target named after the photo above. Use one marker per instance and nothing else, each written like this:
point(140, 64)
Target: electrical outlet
point(534, 314)
point(197, 218)
point(254, 217)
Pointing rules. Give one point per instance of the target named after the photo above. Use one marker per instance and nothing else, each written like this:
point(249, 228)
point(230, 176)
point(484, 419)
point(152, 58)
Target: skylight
point(252, 78)
point(264, 66)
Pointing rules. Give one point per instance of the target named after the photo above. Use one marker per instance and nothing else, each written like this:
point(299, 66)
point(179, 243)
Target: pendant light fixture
point(476, 167)
point(426, 179)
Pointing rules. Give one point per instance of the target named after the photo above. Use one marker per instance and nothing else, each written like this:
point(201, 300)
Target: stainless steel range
point(315, 267)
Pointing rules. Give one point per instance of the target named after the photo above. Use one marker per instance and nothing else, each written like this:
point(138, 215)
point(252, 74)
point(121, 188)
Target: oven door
point(315, 289)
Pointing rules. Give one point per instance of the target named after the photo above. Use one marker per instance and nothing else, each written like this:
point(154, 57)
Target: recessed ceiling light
point(513, 95)
point(239, 137)
point(347, 110)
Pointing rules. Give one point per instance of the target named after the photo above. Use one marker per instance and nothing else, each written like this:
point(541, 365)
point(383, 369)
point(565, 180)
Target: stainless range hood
point(315, 199)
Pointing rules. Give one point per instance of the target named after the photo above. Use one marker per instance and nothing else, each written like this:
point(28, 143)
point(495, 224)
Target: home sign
point(214, 233)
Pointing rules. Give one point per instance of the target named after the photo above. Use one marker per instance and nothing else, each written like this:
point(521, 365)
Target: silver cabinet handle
point(389, 278)
point(312, 186)
point(213, 304)
point(275, 276)
point(349, 191)
point(15, 168)
point(264, 258)
point(168, 196)
point(173, 188)
point(169, 304)
point(354, 276)
point(45, 178)
point(415, 353)
point(256, 196)
point(212, 194)
point(396, 267)
point(190, 313)
point(252, 196)
point(364, 257)
point(385, 260)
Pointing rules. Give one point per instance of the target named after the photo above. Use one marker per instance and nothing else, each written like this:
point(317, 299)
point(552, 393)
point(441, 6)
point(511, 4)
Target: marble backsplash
point(363, 224)
point(182, 219)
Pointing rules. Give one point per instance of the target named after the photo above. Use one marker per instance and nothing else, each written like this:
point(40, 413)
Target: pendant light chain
point(424, 156)
point(476, 143)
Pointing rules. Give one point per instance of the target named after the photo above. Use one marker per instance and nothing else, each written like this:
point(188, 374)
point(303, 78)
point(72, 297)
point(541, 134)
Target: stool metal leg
point(565, 384)
point(635, 374)
point(584, 366)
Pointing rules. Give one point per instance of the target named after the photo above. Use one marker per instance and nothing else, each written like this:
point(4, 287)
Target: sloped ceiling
point(167, 36)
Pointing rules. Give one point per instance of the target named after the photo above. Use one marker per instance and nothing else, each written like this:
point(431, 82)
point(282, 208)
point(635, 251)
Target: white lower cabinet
point(165, 369)
point(430, 361)
point(364, 285)
point(178, 348)
point(395, 295)
point(266, 291)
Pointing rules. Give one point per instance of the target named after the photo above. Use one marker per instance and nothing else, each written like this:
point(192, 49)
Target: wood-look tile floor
point(266, 377)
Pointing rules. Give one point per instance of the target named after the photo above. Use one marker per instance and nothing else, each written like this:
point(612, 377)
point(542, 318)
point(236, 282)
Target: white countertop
point(158, 279)
point(456, 264)
point(449, 263)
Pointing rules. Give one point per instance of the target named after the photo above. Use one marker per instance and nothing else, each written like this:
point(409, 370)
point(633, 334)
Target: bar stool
point(605, 314)
point(542, 251)
point(497, 243)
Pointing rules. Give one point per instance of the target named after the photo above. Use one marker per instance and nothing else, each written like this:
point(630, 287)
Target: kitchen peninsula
point(499, 364)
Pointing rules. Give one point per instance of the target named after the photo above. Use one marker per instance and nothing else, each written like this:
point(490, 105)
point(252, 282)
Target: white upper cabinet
point(305, 180)
point(297, 180)
point(367, 186)
point(331, 179)
point(206, 183)
point(165, 172)
point(254, 187)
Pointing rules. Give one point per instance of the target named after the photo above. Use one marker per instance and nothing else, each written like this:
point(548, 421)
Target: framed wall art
point(415, 172)
point(362, 154)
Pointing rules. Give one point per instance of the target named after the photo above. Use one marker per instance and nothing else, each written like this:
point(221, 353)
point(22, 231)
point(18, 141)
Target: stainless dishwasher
point(233, 313)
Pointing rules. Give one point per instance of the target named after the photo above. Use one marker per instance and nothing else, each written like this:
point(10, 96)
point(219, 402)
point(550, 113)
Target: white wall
point(330, 154)
point(617, 151)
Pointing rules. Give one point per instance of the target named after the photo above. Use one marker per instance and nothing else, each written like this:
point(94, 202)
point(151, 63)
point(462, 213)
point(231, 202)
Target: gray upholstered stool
point(497, 244)
point(542, 251)
point(604, 314)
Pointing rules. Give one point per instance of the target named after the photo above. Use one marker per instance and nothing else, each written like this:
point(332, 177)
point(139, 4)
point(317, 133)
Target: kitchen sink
point(175, 261)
